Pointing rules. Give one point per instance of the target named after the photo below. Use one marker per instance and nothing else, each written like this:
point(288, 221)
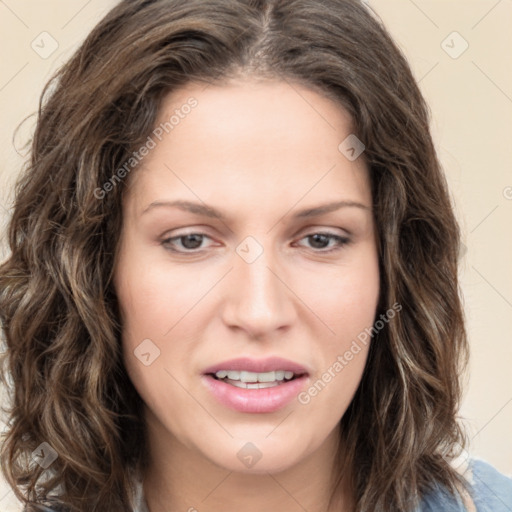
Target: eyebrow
point(208, 211)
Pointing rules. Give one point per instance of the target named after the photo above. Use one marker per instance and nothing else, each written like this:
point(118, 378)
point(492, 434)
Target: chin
point(259, 454)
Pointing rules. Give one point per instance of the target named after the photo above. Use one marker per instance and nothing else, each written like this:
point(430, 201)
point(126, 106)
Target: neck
point(179, 478)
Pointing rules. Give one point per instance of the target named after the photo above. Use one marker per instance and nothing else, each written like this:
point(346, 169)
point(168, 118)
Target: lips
point(257, 365)
point(255, 398)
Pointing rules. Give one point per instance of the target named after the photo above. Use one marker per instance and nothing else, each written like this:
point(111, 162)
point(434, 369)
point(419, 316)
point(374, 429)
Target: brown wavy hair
point(58, 308)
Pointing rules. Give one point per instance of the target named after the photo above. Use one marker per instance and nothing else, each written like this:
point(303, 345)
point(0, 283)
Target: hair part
point(58, 308)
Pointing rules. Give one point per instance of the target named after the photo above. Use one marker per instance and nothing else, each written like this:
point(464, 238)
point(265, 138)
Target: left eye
point(191, 242)
point(324, 238)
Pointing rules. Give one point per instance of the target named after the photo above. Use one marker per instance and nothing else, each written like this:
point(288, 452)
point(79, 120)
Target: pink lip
point(264, 400)
point(269, 364)
point(255, 400)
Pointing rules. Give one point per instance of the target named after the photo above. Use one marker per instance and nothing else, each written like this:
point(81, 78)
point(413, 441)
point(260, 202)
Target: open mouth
point(252, 380)
point(252, 385)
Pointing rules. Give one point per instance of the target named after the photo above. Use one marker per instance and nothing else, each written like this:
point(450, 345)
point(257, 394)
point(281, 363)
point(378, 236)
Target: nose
point(259, 300)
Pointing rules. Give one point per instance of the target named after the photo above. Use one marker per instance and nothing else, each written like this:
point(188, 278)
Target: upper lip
point(268, 364)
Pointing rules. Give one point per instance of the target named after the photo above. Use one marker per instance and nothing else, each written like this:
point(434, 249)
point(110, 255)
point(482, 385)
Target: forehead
point(250, 140)
point(238, 110)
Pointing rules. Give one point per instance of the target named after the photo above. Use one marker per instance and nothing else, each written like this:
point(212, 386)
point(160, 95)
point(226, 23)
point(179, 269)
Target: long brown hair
point(58, 307)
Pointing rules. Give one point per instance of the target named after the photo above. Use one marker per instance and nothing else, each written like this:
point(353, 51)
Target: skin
point(259, 151)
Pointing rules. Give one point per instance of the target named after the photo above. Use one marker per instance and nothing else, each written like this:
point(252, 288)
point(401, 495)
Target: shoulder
point(491, 491)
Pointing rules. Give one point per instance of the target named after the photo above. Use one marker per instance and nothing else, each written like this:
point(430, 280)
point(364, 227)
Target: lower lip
point(255, 400)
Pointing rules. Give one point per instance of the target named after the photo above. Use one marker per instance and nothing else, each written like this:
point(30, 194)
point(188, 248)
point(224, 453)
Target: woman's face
point(247, 271)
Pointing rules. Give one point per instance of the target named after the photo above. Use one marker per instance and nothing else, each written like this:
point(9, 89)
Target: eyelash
point(341, 242)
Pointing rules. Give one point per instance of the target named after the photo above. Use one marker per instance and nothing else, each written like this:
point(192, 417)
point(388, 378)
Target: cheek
point(158, 337)
point(351, 315)
point(155, 298)
point(346, 301)
point(151, 311)
point(346, 298)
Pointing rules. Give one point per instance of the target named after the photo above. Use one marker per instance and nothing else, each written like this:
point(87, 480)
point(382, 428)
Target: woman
point(233, 281)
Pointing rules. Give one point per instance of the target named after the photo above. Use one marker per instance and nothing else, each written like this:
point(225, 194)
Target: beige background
point(471, 100)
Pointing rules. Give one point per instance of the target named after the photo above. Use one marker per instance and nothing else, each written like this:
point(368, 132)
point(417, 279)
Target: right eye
point(189, 242)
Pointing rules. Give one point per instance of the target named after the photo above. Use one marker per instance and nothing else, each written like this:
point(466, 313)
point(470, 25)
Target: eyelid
point(302, 233)
point(176, 233)
point(167, 238)
point(340, 239)
point(331, 230)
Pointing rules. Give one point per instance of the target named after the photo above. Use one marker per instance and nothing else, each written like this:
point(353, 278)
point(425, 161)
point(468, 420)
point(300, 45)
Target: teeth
point(252, 377)
point(248, 377)
point(267, 377)
point(253, 385)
